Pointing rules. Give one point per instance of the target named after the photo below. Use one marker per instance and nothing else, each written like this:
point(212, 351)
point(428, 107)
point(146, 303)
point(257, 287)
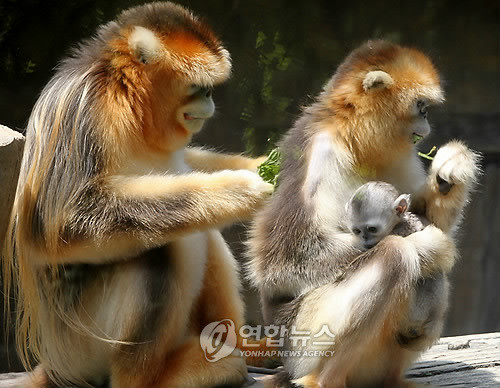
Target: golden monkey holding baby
point(305, 261)
point(114, 246)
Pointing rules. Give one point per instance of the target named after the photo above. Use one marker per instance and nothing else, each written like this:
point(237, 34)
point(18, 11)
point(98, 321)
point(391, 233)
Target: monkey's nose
point(369, 245)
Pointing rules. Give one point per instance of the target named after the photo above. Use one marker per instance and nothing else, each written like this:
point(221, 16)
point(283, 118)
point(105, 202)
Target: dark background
point(283, 52)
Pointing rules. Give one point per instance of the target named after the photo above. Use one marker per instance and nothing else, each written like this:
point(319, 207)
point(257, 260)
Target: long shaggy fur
point(111, 242)
point(304, 262)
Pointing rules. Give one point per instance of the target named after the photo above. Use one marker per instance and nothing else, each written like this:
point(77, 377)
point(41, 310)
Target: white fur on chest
point(407, 175)
point(326, 185)
point(190, 253)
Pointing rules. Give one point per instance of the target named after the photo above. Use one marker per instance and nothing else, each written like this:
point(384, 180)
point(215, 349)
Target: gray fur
point(303, 268)
point(430, 297)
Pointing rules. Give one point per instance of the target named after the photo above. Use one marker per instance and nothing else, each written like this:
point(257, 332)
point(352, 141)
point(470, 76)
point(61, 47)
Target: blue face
point(419, 128)
point(371, 226)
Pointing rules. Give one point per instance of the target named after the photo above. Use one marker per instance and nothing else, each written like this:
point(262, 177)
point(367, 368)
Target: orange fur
point(381, 140)
point(309, 273)
point(113, 250)
point(197, 158)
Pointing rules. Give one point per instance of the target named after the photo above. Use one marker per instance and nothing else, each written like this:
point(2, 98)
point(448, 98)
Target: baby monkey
point(376, 210)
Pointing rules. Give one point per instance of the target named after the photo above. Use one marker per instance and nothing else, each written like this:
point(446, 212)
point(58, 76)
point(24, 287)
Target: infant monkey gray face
point(373, 211)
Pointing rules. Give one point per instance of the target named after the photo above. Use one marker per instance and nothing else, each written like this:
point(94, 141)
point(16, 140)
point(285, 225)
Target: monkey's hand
point(256, 162)
point(454, 164)
point(453, 173)
point(436, 250)
point(252, 186)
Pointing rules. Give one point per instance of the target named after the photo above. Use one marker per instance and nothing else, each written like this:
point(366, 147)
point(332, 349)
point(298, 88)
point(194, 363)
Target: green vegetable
point(428, 154)
point(269, 170)
point(417, 138)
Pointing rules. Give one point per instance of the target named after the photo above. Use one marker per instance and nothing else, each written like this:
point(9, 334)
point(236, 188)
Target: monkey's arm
point(430, 248)
point(123, 215)
point(436, 251)
point(210, 161)
point(453, 172)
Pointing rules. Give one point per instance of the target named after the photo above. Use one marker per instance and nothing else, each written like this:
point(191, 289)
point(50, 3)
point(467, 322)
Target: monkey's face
point(168, 61)
point(199, 108)
point(180, 104)
point(373, 211)
point(179, 110)
point(418, 127)
point(380, 96)
point(371, 225)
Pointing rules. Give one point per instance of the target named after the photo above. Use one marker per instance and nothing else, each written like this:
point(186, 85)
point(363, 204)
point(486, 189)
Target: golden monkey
point(375, 210)
point(305, 261)
point(114, 249)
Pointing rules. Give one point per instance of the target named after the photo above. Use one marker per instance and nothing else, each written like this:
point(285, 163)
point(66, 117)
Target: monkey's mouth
point(194, 122)
point(190, 117)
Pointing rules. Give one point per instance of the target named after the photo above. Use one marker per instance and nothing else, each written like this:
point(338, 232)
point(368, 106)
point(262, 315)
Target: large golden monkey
point(303, 259)
point(115, 250)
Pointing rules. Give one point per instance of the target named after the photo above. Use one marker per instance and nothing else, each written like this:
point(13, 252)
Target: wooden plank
point(465, 362)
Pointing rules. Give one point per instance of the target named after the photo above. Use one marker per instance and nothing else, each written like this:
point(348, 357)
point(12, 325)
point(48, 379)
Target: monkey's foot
point(308, 381)
point(455, 164)
point(414, 338)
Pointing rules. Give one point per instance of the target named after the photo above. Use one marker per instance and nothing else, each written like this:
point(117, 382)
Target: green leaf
point(270, 168)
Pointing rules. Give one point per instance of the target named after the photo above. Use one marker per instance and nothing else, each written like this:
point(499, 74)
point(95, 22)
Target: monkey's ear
point(144, 44)
point(402, 203)
point(377, 79)
point(347, 207)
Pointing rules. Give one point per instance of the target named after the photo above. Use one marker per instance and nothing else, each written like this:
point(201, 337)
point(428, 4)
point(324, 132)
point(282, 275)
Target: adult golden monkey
point(303, 259)
point(114, 246)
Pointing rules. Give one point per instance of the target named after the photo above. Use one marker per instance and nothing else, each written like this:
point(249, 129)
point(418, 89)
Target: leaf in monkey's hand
point(270, 168)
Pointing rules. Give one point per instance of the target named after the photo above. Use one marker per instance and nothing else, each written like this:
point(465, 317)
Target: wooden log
point(465, 362)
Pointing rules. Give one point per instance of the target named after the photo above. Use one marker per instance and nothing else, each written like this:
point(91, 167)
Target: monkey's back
point(411, 223)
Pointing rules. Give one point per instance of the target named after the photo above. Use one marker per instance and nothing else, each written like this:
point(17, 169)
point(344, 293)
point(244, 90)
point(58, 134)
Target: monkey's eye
point(356, 231)
point(207, 92)
point(201, 91)
point(372, 229)
point(422, 108)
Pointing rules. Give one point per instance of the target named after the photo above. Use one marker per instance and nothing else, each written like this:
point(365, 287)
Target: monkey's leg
point(220, 296)
point(129, 214)
point(426, 313)
point(369, 304)
point(453, 172)
point(205, 160)
point(38, 379)
point(187, 367)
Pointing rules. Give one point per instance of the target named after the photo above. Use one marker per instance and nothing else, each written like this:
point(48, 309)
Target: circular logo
point(218, 339)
